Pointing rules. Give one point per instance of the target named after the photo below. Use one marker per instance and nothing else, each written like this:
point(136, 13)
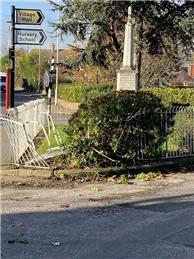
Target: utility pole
point(39, 74)
point(57, 59)
point(12, 55)
point(57, 70)
point(52, 67)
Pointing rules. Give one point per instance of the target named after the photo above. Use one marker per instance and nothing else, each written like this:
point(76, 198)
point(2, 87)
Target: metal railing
point(169, 133)
point(30, 111)
point(23, 150)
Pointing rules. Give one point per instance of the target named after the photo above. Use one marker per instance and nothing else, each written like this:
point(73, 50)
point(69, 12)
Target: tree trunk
point(140, 39)
point(139, 52)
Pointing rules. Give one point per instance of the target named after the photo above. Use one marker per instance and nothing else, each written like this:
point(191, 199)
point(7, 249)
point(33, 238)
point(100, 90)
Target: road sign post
point(7, 92)
point(23, 36)
point(12, 55)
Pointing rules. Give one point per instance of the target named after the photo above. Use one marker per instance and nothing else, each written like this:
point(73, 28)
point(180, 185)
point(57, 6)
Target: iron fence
point(61, 113)
point(168, 134)
point(60, 118)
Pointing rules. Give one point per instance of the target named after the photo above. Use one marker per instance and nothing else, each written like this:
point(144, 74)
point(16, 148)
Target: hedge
point(79, 93)
point(174, 96)
point(169, 96)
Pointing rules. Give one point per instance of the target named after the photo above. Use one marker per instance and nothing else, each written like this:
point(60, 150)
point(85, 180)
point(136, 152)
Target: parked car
point(2, 81)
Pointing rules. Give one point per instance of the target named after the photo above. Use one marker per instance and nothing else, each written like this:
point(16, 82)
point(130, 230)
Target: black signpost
point(23, 36)
point(12, 55)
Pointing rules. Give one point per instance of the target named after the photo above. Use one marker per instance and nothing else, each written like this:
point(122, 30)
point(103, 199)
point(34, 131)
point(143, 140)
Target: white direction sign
point(30, 37)
point(29, 16)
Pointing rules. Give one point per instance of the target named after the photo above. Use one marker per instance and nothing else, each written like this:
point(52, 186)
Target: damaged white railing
point(23, 150)
point(21, 125)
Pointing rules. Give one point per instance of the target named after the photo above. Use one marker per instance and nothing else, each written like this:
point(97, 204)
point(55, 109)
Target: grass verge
point(43, 147)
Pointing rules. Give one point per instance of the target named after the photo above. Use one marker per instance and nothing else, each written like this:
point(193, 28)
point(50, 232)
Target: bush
point(79, 93)
point(103, 131)
point(174, 96)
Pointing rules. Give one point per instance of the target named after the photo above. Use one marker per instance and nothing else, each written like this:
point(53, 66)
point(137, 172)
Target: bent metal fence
point(23, 150)
point(22, 125)
point(161, 134)
point(152, 135)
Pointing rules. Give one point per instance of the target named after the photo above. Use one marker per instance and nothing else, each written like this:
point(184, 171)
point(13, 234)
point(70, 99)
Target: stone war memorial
point(127, 75)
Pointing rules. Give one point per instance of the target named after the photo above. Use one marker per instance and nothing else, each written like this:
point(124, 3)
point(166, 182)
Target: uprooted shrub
point(105, 131)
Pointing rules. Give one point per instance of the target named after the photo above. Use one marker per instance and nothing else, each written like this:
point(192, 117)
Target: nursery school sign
point(30, 37)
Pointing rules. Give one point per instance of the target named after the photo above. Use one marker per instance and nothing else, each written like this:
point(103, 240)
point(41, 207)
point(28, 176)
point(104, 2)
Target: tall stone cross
point(127, 75)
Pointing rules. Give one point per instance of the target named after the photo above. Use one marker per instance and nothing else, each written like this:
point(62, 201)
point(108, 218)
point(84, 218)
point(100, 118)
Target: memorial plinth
point(127, 79)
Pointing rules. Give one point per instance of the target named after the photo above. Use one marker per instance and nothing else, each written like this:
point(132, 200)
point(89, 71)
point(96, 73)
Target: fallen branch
point(115, 161)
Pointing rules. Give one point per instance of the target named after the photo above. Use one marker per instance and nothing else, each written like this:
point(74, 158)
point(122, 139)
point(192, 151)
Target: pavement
point(5, 149)
point(143, 220)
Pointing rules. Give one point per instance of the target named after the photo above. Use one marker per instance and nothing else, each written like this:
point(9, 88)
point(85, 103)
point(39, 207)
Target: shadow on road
point(160, 227)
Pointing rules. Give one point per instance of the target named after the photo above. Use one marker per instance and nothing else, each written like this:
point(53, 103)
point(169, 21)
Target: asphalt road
point(20, 98)
point(156, 224)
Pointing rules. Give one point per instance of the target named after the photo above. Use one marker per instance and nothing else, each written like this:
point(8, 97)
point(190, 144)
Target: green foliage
point(4, 62)
point(103, 131)
point(98, 22)
point(43, 147)
point(174, 96)
point(123, 179)
point(168, 95)
point(79, 93)
point(65, 177)
point(28, 67)
point(147, 176)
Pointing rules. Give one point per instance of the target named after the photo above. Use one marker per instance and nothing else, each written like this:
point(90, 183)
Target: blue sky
point(50, 16)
